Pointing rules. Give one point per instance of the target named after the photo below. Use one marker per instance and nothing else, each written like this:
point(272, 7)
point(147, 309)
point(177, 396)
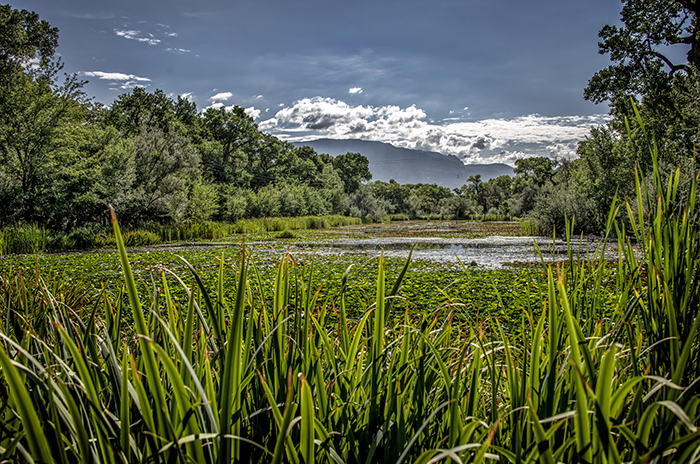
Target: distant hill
point(407, 166)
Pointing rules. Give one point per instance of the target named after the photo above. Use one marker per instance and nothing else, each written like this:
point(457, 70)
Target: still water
point(490, 252)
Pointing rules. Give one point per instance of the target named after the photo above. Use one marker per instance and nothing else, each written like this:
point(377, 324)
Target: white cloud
point(189, 96)
point(137, 36)
point(119, 81)
point(485, 141)
point(171, 34)
point(355, 90)
point(268, 124)
point(221, 97)
point(112, 76)
point(178, 50)
point(253, 112)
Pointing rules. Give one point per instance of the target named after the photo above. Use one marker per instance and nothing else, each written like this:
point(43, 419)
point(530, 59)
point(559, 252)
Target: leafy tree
point(364, 205)
point(36, 113)
point(666, 94)
point(23, 37)
point(456, 207)
point(538, 170)
point(236, 132)
point(187, 117)
point(394, 193)
point(233, 202)
point(637, 49)
point(130, 112)
point(164, 163)
point(641, 73)
point(202, 202)
point(353, 169)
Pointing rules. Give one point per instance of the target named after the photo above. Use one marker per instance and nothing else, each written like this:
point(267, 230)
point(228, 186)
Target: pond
point(491, 252)
point(488, 245)
point(480, 245)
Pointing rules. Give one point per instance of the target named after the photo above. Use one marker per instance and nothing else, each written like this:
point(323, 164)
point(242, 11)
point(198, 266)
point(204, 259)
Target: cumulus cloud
point(485, 141)
point(253, 112)
point(355, 90)
point(189, 96)
point(150, 39)
point(119, 80)
point(221, 97)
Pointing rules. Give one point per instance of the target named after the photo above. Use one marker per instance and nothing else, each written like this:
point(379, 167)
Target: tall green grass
point(279, 224)
point(603, 369)
point(29, 238)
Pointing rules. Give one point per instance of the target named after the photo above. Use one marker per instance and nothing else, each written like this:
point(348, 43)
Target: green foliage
point(22, 239)
point(23, 37)
point(637, 50)
point(131, 112)
point(353, 169)
point(640, 79)
point(202, 203)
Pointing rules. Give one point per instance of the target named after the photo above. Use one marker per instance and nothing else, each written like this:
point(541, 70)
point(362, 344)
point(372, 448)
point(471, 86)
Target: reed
point(28, 238)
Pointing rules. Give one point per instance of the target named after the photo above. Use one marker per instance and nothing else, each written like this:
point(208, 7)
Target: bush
point(83, 238)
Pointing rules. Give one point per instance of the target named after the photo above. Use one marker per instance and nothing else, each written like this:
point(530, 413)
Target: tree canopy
point(638, 50)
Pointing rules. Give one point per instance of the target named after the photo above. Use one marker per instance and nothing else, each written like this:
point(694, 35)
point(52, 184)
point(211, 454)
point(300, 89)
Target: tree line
point(64, 158)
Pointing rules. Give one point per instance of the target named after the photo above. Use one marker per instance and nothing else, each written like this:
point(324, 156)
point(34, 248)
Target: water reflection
point(490, 252)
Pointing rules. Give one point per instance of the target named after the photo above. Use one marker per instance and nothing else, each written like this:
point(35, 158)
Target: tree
point(131, 112)
point(237, 133)
point(353, 169)
point(538, 170)
point(640, 66)
point(23, 37)
point(164, 163)
point(36, 114)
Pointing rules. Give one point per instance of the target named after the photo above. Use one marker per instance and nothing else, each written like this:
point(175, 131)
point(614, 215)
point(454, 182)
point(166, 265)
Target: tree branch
point(684, 40)
point(691, 5)
point(674, 67)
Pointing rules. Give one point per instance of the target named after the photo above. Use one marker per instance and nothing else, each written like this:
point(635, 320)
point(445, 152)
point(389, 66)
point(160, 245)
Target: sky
point(485, 80)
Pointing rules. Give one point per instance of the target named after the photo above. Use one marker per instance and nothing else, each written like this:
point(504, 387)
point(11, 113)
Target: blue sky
point(486, 80)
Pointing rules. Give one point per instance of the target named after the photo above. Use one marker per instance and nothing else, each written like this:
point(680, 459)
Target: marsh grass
point(602, 367)
point(28, 238)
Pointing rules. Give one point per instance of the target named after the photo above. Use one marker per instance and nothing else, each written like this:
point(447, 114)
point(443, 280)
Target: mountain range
point(407, 166)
